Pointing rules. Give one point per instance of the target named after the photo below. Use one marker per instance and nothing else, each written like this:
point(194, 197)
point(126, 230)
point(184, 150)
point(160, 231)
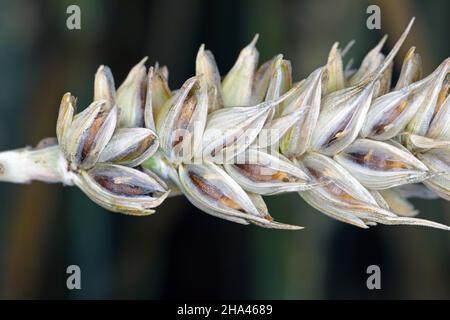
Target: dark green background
point(182, 252)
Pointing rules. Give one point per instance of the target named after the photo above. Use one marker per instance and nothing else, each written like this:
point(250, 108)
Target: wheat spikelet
point(348, 142)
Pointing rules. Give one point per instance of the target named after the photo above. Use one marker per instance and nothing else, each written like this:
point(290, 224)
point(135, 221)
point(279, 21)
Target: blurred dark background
point(181, 252)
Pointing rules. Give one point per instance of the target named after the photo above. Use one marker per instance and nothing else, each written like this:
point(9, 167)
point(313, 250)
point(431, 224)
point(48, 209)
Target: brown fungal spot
point(390, 116)
point(137, 150)
point(340, 131)
point(332, 187)
point(376, 161)
point(443, 93)
point(185, 117)
point(143, 94)
point(226, 143)
point(213, 192)
point(122, 189)
point(257, 172)
point(2, 169)
point(92, 134)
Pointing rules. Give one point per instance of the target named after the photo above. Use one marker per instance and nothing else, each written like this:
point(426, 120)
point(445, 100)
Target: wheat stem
point(27, 164)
